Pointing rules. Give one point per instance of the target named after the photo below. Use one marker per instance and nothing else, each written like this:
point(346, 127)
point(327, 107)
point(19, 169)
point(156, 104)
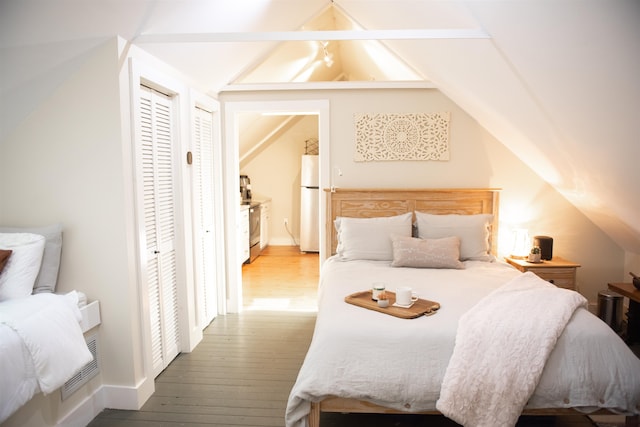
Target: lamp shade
point(521, 243)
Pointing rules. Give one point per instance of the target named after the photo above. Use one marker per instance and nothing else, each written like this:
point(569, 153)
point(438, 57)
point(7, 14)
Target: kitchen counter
point(257, 210)
point(255, 202)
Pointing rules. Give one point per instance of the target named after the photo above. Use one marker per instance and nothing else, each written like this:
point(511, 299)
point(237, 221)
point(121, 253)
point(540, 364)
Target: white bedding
point(397, 363)
point(41, 347)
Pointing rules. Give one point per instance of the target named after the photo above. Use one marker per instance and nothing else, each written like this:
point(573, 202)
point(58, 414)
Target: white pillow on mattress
point(473, 231)
point(370, 238)
point(20, 272)
point(48, 277)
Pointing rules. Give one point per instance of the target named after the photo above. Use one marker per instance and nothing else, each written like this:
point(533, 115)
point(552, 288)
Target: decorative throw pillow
point(20, 272)
point(473, 231)
point(370, 238)
point(4, 257)
point(48, 277)
point(426, 253)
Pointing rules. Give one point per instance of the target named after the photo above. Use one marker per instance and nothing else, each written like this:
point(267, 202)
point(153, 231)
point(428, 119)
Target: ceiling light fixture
point(328, 57)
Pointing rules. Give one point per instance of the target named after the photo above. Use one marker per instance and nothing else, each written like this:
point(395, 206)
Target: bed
point(442, 243)
point(41, 340)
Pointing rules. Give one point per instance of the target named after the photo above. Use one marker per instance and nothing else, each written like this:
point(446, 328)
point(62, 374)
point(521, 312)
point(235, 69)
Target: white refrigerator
point(309, 204)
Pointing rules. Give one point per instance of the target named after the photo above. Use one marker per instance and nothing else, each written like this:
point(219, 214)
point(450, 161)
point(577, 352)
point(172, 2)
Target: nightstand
point(558, 271)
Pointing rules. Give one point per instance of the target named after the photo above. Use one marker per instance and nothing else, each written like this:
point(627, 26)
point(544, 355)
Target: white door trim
point(232, 179)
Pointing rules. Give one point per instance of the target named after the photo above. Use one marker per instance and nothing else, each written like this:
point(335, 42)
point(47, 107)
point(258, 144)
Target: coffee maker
point(245, 189)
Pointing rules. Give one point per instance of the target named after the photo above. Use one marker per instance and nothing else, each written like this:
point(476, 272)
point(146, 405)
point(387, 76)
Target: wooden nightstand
point(558, 271)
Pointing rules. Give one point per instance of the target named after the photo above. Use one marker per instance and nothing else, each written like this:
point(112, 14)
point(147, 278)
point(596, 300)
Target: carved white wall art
point(417, 136)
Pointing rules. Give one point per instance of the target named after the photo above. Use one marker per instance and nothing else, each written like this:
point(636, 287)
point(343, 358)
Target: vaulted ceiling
point(554, 80)
point(331, 59)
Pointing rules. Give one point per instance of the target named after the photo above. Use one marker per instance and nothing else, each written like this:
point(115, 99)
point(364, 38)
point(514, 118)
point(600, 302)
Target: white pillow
point(426, 253)
point(48, 276)
point(20, 272)
point(473, 231)
point(370, 238)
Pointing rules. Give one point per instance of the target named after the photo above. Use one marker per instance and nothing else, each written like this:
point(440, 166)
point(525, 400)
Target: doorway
point(234, 300)
point(273, 158)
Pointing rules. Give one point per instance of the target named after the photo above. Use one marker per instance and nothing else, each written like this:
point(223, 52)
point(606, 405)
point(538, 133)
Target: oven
point(254, 231)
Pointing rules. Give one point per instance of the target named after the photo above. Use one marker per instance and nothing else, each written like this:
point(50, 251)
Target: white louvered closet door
point(205, 232)
point(159, 225)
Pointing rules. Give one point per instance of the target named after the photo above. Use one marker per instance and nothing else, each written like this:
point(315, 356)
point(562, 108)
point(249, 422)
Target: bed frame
point(369, 203)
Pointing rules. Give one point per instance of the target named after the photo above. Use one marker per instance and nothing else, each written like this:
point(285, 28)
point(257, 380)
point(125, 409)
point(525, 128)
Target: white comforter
point(41, 347)
point(397, 363)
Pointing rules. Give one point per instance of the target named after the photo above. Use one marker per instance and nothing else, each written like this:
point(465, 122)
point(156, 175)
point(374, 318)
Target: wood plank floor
point(243, 370)
point(239, 375)
point(282, 278)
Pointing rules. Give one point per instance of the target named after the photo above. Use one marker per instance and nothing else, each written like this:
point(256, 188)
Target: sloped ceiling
point(554, 80)
point(314, 61)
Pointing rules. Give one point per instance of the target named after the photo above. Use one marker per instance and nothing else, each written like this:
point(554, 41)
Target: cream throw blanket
point(502, 345)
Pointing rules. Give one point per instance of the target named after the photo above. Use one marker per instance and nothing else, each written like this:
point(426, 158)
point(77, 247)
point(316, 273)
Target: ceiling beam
point(420, 34)
point(333, 85)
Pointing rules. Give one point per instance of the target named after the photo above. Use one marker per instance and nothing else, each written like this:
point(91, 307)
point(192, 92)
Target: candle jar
point(376, 290)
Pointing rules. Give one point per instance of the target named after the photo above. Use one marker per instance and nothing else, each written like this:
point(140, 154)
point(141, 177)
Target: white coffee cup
point(404, 296)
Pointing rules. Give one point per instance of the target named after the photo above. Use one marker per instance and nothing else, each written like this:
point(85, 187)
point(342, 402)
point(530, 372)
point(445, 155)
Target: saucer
point(395, 304)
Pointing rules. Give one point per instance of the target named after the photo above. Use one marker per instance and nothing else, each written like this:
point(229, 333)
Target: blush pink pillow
point(426, 253)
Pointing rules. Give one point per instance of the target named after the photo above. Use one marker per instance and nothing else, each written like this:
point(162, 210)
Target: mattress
point(399, 363)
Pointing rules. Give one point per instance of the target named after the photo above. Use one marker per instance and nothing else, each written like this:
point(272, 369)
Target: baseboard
point(113, 397)
point(86, 411)
point(128, 398)
point(281, 241)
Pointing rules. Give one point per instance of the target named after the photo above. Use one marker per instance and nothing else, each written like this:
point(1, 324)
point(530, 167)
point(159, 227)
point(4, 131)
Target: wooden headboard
point(369, 203)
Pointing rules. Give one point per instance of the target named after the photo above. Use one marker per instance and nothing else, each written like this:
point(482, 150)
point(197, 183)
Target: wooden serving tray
point(421, 307)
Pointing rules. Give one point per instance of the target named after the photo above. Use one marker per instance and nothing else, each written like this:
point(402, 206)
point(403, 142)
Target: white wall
point(477, 159)
point(632, 264)
point(71, 161)
point(65, 165)
point(275, 174)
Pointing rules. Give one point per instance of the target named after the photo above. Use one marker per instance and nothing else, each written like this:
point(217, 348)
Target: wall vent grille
point(87, 372)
